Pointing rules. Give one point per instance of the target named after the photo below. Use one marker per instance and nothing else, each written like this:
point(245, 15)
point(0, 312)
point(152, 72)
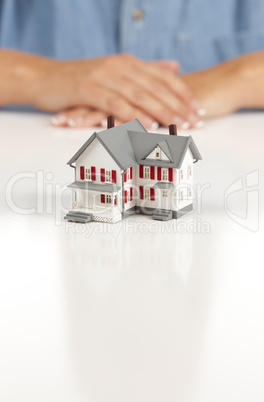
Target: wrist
point(23, 77)
point(235, 83)
point(40, 78)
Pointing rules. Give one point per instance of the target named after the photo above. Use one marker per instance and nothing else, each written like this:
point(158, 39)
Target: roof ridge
point(82, 148)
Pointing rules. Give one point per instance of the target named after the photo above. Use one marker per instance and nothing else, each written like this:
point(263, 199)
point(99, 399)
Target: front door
point(165, 199)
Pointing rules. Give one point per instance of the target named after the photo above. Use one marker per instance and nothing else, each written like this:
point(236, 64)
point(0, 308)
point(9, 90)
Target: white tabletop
point(140, 311)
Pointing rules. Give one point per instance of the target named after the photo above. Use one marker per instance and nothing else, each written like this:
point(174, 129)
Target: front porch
point(109, 214)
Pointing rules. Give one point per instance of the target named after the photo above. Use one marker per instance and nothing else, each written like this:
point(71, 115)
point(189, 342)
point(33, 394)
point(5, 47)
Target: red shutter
point(141, 168)
point(152, 172)
point(103, 175)
point(102, 198)
point(113, 176)
point(125, 176)
point(170, 174)
point(125, 196)
point(93, 173)
point(141, 192)
point(131, 173)
point(115, 200)
point(131, 194)
point(82, 172)
point(159, 173)
point(152, 194)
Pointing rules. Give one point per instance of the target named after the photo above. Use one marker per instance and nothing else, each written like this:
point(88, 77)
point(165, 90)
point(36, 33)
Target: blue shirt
point(197, 33)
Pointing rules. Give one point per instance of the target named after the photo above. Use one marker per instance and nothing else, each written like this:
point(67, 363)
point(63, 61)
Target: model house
point(125, 170)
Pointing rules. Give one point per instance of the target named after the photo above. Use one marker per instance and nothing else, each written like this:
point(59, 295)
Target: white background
point(138, 311)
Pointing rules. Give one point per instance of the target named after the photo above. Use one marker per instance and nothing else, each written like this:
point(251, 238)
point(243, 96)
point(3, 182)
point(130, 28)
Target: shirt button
point(138, 14)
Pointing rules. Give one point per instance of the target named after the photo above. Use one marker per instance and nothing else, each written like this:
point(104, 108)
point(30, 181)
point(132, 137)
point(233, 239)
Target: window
point(147, 194)
point(128, 174)
point(189, 192)
point(164, 193)
point(179, 196)
point(108, 178)
point(181, 174)
point(189, 171)
point(157, 153)
point(108, 199)
point(88, 174)
point(146, 172)
point(75, 196)
point(164, 174)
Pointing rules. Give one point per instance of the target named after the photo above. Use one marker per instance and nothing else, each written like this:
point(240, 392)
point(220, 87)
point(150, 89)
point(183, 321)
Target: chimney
point(173, 129)
point(110, 122)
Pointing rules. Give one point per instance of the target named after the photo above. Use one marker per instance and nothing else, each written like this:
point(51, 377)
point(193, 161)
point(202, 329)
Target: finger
point(150, 105)
point(78, 117)
point(154, 84)
point(173, 82)
point(112, 102)
point(170, 65)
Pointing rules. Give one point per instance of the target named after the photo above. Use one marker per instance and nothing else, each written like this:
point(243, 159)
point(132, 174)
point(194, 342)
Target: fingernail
point(147, 122)
point(104, 123)
point(58, 120)
point(185, 126)
point(202, 112)
point(155, 125)
point(199, 124)
point(75, 121)
point(71, 123)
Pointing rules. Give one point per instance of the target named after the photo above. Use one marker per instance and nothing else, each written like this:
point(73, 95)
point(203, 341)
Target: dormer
point(161, 152)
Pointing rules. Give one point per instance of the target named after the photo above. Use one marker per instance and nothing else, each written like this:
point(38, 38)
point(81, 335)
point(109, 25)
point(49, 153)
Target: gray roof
point(143, 143)
point(117, 143)
point(163, 185)
point(86, 185)
point(130, 144)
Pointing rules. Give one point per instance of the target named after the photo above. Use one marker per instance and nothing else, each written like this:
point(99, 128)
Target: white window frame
point(108, 199)
point(128, 174)
point(181, 174)
point(88, 174)
point(108, 176)
point(146, 172)
point(164, 174)
point(157, 153)
point(147, 193)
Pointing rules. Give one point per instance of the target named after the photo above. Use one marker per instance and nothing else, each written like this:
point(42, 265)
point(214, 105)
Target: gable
point(176, 148)
point(117, 143)
point(96, 155)
point(158, 151)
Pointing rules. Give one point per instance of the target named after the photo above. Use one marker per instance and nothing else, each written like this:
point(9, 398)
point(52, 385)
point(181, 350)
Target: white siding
point(96, 155)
